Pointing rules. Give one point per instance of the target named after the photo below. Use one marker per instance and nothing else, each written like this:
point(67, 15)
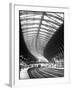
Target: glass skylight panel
point(27, 26)
point(28, 30)
point(26, 16)
point(52, 14)
point(52, 19)
point(61, 15)
point(47, 18)
point(44, 34)
point(34, 32)
point(42, 26)
point(30, 33)
point(48, 27)
point(51, 26)
point(35, 16)
point(57, 20)
point(32, 12)
point(49, 23)
point(30, 24)
point(43, 38)
point(33, 35)
point(43, 41)
point(42, 30)
point(29, 37)
point(29, 14)
point(30, 21)
point(27, 19)
point(58, 15)
point(43, 22)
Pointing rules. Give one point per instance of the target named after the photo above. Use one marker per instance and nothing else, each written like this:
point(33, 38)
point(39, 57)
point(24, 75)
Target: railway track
point(45, 73)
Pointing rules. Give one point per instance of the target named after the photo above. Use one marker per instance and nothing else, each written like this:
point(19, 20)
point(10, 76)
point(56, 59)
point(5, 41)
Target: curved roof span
point(38, 28)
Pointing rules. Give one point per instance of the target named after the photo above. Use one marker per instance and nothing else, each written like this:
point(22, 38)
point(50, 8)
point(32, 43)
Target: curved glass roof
point(38, 28)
